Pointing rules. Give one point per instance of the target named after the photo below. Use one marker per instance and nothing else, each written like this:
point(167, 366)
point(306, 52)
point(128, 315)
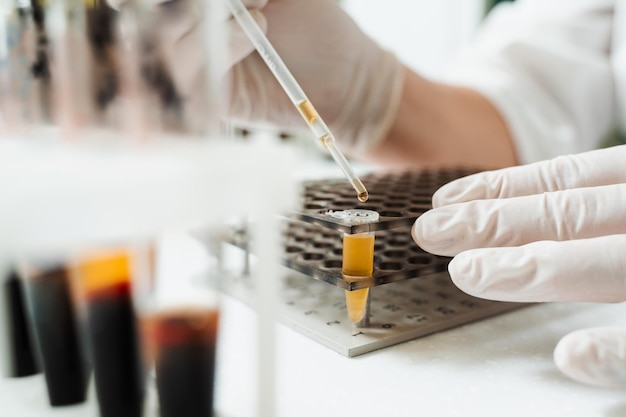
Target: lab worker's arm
point(442, 125)
point(378, 109)
point(546, 66)
point(536, 83)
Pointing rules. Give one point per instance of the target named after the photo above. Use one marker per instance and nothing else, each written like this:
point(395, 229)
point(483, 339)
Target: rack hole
point(389, 213)
point(395, 253)
point(398, 242)
point(397, 206)
point(322, 245)
point(332, 264)
point(313, 206)
point(311, 256)
point(293, 249)
point(420, 260)
point(390, 266)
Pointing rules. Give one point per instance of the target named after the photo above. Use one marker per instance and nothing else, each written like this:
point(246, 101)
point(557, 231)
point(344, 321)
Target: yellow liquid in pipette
point(358, 263)
point(309, 114)
point(307, 111)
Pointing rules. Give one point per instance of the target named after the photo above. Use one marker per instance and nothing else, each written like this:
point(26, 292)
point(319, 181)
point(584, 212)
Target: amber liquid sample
point(308, 112)
point(356, 303)
point(184, 352)
point(358, 263)
point(113, 336)
point(56, 328)
point(319, 128)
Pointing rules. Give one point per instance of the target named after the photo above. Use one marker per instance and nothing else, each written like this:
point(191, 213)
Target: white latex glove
point(549, 231)
point(354, 84)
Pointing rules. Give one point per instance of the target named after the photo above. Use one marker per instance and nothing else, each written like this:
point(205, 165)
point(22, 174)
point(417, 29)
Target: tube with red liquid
point(112, 333)
point(184, 348)
point(180, 315)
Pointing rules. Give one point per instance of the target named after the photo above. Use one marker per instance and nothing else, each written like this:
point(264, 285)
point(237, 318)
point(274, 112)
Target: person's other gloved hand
point(549, 231)
point(353, 83)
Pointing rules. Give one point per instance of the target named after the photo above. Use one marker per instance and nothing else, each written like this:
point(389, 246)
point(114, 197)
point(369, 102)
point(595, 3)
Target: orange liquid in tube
point(358, 263)
point(112, 330)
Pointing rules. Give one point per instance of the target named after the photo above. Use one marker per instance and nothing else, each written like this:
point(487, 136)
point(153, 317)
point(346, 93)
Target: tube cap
point(355, 216)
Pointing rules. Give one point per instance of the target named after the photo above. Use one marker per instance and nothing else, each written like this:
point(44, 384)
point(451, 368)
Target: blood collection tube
point(21, 355)
point(184, 347)
point(358, 263)
point(179, 309)
point(112, 333)
point(55, 323)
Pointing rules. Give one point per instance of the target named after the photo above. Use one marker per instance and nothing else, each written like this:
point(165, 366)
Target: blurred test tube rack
point(411, 292)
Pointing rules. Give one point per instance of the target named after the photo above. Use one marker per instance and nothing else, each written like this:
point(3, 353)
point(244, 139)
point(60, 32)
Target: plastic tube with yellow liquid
point(358, 262)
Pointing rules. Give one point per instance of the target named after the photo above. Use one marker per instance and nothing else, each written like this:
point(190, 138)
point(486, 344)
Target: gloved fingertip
point(451, 193)
point(462, 272)
point(417, 232)
point(443, 196)
point(562, 357)
point(472, 187)
point(426, 232)
point(593, 356)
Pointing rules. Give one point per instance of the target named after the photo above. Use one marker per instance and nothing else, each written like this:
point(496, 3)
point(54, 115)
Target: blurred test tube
point(358, 263)
point(55, 318)
point(136, 70)
point(18, 347)
point(179, 310)
point(104, 278)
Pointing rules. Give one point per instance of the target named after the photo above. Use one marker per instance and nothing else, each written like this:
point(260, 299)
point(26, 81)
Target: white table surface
point(498, 366)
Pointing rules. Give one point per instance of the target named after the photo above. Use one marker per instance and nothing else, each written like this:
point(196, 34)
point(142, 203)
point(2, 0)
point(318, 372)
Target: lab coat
point(555, 69)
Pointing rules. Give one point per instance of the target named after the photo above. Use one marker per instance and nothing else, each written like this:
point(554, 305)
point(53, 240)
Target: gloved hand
point(354, 84)
point(549, 231)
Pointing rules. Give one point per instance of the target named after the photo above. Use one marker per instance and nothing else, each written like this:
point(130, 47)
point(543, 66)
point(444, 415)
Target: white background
point(425, 34)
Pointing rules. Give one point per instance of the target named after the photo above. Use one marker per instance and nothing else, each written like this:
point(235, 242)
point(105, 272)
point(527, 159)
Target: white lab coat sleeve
point(545, 65)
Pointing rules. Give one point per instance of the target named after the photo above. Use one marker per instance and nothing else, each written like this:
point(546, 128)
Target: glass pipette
point(295, 93)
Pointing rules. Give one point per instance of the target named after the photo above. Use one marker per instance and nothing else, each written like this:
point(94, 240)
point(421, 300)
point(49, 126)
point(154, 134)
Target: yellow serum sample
point(358, 263)
point(356, 304)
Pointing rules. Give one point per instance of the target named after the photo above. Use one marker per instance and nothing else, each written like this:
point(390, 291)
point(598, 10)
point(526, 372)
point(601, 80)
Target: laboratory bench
point(497, 366)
